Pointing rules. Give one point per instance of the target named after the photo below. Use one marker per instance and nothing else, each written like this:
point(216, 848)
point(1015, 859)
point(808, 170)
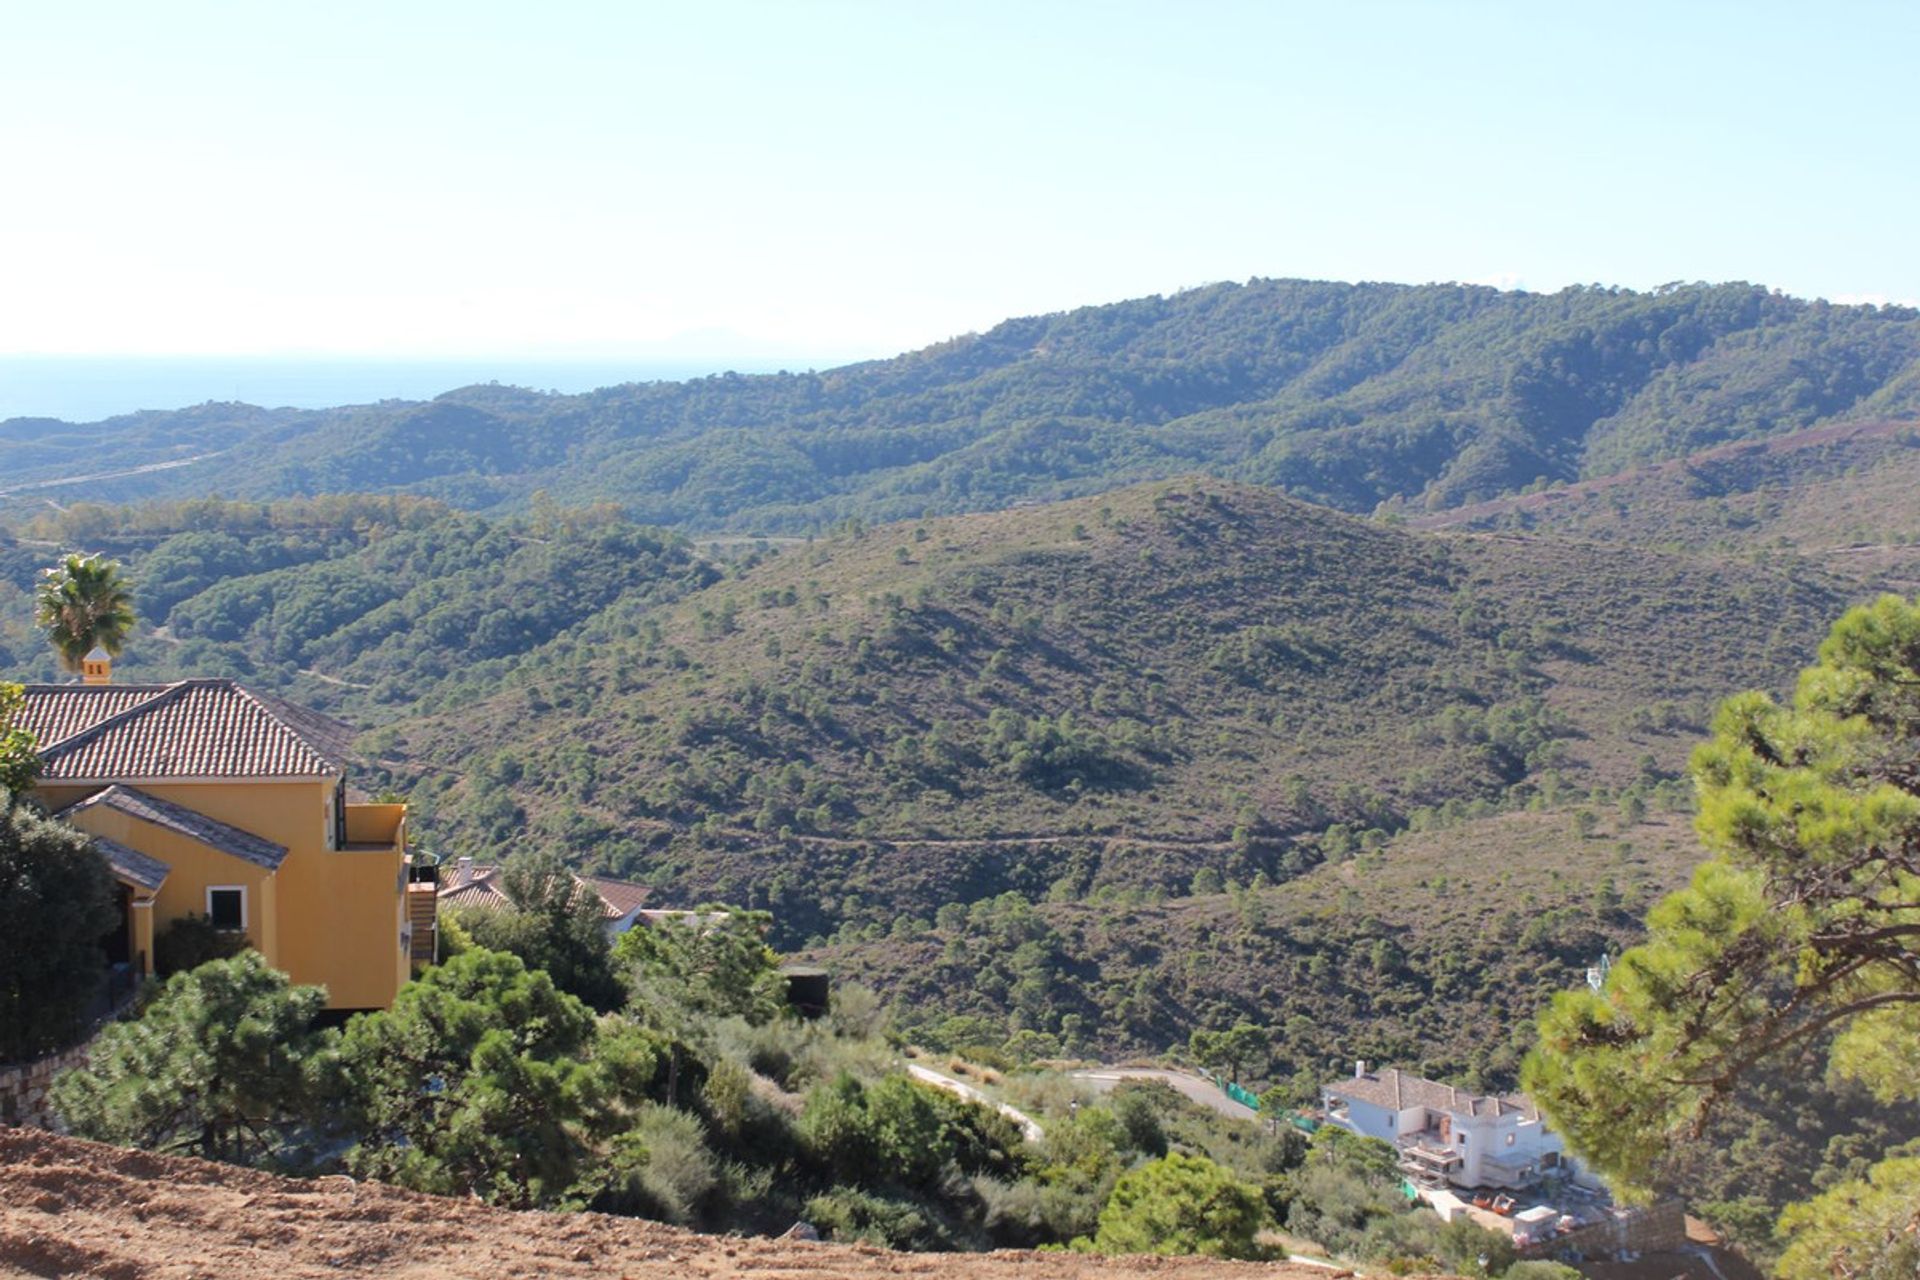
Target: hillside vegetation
point(1424, 952)
point(1183, 676)
point(1186, 682)
point(1105, 744)
point(1843, 492)
point(367, 606)
point(1350, 395)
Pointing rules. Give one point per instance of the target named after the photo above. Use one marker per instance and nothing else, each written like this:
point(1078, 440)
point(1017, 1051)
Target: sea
point(90, 388)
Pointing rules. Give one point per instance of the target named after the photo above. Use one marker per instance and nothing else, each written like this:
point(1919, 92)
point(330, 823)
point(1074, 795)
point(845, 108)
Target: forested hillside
point(1349, 395)
point(1180, 677)
point(1845, 492)
point(369, 607)
point(1186, 681)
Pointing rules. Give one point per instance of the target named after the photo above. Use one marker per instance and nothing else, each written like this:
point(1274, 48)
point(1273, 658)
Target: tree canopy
point(1801, 931)
point(56, 902)
point(1181, 1204)
point(83, 602)
point(714, 962)
point(555, 924)
point(225, 1064)
point(19, 754)
point(484, 1078)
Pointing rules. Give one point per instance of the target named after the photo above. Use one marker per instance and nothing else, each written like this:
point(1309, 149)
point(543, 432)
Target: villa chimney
point(463, 869)
point(96, 667)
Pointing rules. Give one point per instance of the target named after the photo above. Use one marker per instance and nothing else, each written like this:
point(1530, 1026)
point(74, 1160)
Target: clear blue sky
point(474, 179)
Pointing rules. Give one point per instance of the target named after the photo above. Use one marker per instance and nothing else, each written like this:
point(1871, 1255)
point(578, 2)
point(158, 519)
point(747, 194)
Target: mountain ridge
point(1350, 395)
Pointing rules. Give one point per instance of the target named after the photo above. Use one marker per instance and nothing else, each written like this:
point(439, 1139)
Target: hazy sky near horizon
point(416, 178)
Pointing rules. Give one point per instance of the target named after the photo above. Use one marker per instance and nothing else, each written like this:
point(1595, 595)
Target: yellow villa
point(208, 797)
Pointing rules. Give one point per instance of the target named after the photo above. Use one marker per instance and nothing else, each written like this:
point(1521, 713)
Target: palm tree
point(83, 602)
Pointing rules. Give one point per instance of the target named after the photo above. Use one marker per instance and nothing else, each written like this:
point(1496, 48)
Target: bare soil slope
point(72, 1208)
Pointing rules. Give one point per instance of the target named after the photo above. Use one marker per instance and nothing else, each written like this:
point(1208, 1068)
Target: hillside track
point(73, 1208)
point(1197, 1088)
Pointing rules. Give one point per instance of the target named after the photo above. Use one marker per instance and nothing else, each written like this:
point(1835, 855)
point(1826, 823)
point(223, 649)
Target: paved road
point(1028, 1125)
point(1201, 1090)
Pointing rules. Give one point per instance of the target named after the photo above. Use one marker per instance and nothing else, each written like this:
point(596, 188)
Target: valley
point(1320, 661)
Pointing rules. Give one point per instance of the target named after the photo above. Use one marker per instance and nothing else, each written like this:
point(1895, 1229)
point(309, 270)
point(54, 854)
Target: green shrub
point(1140, 1121)
point(852, 1216)
point(727, 1095)
point(833, 1128)
point(1181, 1204)
point(1536, 1269)
point(56, 900)
point(191, 941)
point(661, 1167)
point(1033, 1212)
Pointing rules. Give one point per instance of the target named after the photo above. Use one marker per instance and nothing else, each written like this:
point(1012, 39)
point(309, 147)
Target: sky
point(410, 178)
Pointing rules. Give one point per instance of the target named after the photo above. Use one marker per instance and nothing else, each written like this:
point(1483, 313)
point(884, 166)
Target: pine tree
point(1801, 931)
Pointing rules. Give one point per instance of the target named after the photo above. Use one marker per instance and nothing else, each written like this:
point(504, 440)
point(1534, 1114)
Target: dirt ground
point(72, 1208)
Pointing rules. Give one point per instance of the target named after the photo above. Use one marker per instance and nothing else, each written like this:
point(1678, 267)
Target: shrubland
point(700, 1103)
point(1126, 693)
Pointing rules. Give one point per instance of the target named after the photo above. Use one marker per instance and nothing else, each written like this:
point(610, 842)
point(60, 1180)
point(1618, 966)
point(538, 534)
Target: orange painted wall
point(331, 917)
point(194, 869)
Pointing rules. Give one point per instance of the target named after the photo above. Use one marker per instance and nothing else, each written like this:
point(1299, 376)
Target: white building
point(1448, 1135)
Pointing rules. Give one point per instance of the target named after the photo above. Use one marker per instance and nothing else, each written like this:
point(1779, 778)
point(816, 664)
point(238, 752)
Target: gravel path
point(1029, 1127)
point(1201, 1090)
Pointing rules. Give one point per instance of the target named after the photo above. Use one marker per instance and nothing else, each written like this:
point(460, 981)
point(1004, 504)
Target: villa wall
point(24, 1087)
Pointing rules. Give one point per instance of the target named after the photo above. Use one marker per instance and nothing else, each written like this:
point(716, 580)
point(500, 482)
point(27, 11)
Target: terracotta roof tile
point(476, 884)
point(1398, 1091)
point(621, 898)
point(476, 893)
point(55, 712)
point(181, 820)
point(213, 728)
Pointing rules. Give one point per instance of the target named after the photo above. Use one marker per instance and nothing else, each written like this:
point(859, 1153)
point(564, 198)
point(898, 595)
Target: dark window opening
point(227, 908)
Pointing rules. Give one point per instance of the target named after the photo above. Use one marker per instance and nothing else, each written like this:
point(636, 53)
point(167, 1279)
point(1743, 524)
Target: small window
point(227, 908)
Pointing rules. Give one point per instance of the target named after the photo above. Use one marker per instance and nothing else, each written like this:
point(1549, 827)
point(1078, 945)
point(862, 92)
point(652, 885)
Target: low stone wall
point(1656, 1228)
point(24, 1087)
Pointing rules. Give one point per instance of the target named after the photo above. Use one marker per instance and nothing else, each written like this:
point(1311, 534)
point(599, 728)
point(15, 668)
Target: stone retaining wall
point(24, 1087)
point(1656, 1228)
